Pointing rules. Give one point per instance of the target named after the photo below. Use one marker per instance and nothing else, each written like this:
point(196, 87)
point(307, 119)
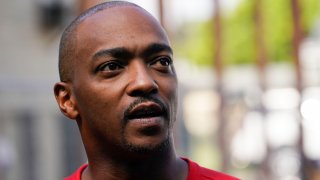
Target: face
point(124, 84)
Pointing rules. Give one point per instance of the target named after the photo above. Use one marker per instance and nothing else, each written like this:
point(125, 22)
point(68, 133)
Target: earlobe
point(65, 100)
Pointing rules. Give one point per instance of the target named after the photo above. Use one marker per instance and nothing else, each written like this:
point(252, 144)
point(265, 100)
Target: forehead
point(120, 26)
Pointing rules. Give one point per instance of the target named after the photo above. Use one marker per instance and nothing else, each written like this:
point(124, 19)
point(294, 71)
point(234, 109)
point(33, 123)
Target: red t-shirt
point(195, 172)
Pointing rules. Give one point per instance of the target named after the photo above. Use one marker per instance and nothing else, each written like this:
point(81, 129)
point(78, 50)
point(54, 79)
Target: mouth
point(145, 110)
point(146, 118)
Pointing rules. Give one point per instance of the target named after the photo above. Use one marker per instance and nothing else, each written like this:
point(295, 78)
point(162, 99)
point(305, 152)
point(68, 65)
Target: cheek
point(98, 108)
point(168, 89)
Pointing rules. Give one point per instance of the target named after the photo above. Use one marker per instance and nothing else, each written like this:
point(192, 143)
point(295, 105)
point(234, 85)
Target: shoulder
point(77, 174)
point(197, 172)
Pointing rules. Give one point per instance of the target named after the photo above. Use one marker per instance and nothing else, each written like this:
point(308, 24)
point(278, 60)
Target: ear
point(66, 100)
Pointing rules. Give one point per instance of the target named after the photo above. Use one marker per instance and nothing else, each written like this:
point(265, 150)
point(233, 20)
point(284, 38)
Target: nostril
point(154, 91)
point(144, 92)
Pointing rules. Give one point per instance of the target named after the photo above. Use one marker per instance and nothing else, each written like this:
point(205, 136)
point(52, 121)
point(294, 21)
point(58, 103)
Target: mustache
point(142, 100)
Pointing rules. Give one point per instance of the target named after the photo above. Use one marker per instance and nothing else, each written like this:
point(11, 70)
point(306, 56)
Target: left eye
point(162, 64)
point(110, 66)
point(163, 61)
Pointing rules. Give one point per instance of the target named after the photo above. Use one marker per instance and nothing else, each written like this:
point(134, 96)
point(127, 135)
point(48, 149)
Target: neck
point(150, 165)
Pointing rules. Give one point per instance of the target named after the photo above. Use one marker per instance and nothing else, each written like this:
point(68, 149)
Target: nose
point(141, 82)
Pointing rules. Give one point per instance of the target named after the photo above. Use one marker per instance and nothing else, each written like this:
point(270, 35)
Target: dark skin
point(123, 96)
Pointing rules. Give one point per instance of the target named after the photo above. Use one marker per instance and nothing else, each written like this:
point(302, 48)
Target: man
point(119, 84)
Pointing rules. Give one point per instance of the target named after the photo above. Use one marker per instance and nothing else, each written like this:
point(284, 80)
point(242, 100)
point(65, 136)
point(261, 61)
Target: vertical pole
point(162, 18)
point(218, 66)
point(161, 13)
point(261, 49)
point(297, 37)
point(296, 42)
point(261, 65)
point(218, 36)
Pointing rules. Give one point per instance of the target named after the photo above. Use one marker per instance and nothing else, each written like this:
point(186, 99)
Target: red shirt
point(195, 172)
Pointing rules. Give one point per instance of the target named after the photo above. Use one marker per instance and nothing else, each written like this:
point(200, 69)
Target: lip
point(147, 118)
point(145, 111)
point(147, 122)
point(148, 126)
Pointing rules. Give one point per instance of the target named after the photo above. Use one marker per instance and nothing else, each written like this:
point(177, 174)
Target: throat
point(156, 168)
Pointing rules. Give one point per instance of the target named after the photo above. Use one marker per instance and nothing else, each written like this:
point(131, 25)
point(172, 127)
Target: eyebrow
point(122, 52)
point(119, 52)
point(156, 48)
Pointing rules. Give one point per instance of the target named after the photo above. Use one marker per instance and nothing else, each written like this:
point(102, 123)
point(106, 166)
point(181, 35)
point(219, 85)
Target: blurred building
point(37, 142)
point(33, 133)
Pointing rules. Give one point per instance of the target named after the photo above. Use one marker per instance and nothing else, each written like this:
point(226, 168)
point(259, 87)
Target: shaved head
point(67, 48)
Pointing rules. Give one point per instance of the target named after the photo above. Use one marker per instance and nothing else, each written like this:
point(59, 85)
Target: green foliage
point(239, 36)
point(310, 11)
point(278, 29)
point(199, 44)
point(239, 46)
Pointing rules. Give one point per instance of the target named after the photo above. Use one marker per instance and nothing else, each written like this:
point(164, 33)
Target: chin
point(162, 146)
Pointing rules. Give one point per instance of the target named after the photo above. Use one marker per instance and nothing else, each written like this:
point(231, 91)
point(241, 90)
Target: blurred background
point(249, 86)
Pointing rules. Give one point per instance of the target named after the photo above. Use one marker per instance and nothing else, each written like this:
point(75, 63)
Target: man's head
point(68, 39)
point(117, 79)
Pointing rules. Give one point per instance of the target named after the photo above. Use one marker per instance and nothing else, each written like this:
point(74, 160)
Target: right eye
point(110, 66)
